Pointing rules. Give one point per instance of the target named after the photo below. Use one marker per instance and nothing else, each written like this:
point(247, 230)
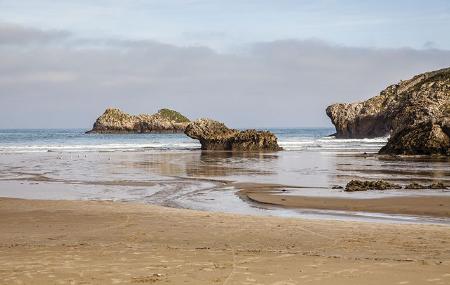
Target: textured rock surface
point(415, 185)
point(116, 121)
point(214, 135)
point(358, 185)
point(421, 138)
point(415, 112)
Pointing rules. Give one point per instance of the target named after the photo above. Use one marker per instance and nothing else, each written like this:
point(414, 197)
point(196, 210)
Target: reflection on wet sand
point(209, 180)
point(401, 170)
point(213, 164)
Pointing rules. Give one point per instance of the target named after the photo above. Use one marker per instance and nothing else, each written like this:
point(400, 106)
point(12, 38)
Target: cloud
point(429, 45)
point(11, 34)
point(54, 79)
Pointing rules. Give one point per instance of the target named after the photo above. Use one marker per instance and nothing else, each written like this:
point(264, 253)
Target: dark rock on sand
point(437, 185)
point(358, 185)
point(415, 113)
point(337, 187)
point(214, 135)
point(415, 185)
point(116, 121)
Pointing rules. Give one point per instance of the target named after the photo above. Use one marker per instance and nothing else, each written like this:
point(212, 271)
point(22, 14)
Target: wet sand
point(93, 242)
point(208, 181)
point(433, 206)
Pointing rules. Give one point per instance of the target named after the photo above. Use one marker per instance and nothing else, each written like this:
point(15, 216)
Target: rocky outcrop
point(116, 121)
point(359, 120)
point(365, 185)
point(422, 138)
point(415, 113)
point(214, 135)
point(436, 185)
point(358, 185)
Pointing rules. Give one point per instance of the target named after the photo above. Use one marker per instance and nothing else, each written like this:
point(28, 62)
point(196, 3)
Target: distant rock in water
point(415, 113)
point(214, 135)
point(115, 121)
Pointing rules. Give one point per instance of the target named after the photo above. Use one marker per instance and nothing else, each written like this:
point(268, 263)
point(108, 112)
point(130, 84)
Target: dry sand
point(81, 242)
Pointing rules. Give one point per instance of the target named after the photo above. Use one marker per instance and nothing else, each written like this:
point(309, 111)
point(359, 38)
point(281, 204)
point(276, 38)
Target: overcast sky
point(248, 63)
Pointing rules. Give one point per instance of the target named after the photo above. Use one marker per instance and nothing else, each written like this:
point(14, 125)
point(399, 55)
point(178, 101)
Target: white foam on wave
point(288, 143)
point(96, 147)
point(366, 140)
point(331, 143)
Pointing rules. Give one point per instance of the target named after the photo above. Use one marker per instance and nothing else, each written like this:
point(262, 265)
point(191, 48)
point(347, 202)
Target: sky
point(247, 63)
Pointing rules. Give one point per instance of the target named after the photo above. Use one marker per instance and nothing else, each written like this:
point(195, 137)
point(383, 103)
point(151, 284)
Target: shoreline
point(102, 242)
point(426, 206)
point(250, 198)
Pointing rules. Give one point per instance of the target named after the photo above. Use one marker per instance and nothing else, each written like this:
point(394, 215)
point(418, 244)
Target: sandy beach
point(94, 242)
point(193, 217)
point(224, 142)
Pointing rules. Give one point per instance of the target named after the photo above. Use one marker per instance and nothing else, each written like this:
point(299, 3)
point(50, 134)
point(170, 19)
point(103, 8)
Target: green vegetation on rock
point(115, 121)
point(173, 116)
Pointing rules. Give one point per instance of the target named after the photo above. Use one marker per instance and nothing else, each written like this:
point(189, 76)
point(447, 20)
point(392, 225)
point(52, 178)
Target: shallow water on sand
point(206, 180)
point(66, 166)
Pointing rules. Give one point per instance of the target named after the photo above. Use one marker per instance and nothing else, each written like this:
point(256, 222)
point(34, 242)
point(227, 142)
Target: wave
point(98, 147)
point(333, 144)
point(320, 144)
point(76, 141)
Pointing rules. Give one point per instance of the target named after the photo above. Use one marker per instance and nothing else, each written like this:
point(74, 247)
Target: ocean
point(73, 140)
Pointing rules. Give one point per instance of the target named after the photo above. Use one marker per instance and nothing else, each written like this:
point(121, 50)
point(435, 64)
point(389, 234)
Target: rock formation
point(415, 113)
point(365, 185)
point(116, 121)
point(436, 185)
point(358, 185)
point(214, 135)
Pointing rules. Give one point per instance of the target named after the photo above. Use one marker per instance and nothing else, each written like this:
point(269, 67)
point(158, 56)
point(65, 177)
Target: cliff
point(415, 113)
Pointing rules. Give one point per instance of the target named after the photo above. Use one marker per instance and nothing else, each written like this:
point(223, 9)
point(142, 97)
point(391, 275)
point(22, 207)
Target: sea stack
point(164, 121)
point(214, 135)
point(415, 113)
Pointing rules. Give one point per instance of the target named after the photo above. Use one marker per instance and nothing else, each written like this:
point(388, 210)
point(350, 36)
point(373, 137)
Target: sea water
point(72, 140)
point(171, 170)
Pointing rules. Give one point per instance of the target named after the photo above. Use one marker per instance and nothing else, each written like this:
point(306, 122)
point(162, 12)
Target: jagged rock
point(214, 135)
point(358, 185)
point(359, 120)
point(420, 138)
point(437, 185)
point(115, 121)
point(415, 113)
point(415, 185)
